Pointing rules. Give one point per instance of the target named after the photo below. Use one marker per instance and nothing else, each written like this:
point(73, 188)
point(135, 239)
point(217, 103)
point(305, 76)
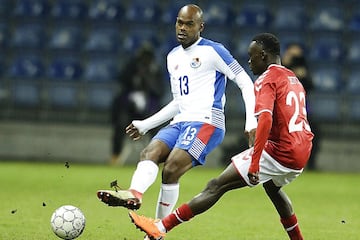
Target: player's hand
point(253, 178)
point(251, 136)
point(133, 132)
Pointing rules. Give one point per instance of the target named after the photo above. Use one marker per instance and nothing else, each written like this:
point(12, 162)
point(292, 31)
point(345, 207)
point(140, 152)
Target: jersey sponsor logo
point(293, 80)
point(258, 87)
point(195, 63)
point(258, 82)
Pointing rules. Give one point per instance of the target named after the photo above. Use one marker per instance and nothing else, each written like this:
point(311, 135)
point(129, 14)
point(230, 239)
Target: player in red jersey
point(282, 145)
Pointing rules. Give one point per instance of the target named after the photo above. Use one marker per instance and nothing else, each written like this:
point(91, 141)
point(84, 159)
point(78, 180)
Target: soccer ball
point(68, 222)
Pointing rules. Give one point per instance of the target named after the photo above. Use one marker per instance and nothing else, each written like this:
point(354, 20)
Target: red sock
point(181, 214)
point(292, 227)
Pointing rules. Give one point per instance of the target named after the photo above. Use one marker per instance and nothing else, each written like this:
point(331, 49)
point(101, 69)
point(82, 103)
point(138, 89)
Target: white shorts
point(270, 169)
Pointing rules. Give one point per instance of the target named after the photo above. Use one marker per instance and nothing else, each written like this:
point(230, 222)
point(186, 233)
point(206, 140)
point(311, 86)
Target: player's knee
point(155, 151)
point(213, 186)
point(143, 154)
point(170, 174)
point(270, 188)
point(150, 153)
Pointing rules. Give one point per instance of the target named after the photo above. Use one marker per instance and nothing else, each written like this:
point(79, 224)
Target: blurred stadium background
point(59, 61)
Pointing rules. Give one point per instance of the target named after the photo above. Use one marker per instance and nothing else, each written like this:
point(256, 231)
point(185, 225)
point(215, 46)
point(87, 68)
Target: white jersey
point(198, 76)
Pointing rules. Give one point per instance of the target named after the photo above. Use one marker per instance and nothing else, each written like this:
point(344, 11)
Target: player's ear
point(202, 25)
point(263, 54)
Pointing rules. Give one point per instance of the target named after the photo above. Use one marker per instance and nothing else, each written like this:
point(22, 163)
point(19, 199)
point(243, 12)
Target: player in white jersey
point(199, 69)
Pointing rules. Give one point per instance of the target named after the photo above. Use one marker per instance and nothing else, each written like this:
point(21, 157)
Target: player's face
point(256, 61)
point(188, 27)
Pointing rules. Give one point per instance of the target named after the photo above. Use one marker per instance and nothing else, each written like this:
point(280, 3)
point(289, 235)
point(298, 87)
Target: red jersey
point(279, 92)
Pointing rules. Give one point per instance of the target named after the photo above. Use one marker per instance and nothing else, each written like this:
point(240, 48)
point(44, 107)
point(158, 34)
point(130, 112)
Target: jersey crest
point(195, 63)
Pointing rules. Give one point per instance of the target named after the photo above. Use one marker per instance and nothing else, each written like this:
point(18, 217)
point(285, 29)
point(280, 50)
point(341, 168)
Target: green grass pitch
point(327, 204)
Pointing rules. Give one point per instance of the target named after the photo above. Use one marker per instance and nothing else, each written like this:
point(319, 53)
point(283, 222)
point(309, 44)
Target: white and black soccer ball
point(68, 222)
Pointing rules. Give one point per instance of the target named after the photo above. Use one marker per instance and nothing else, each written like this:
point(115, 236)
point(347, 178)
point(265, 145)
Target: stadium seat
point(143, 12)
point(65, 37)
point(69, 9)
point(326, 78)
point(288, 37)
point(2, 68)
point(4, 33)
point(5, 8)
point(221, 37)
point(326, 48)
point(327, 17)
point(65, 68)
point(167, 44)
point(325, 107)
point(28, 36)
point(31, 8)
point(354, 109)
point(353, 81)
point(170, 11)
point(64, 96)
point(354, 22)
point(103, 40)
point(26, 67)
point(241, 43)
point(4, 93)
point(26, 93)
point(253, 15)
point(353, 50)
point(135, 38)
point(106, 10)
point(291, 16)
point(100, 69)
point(99, 97)
point(218, 13)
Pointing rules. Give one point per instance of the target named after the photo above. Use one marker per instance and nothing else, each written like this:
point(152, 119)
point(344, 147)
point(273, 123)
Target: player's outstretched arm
point(141, 127)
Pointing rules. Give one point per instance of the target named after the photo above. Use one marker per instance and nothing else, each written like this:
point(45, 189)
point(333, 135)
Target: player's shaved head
point(193, 11)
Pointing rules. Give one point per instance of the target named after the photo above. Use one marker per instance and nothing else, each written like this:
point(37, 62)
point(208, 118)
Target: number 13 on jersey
point(184, 85)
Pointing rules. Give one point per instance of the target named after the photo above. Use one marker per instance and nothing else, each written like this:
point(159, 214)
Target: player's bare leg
point(284, 207)
point(229, 179)
point(279, 198)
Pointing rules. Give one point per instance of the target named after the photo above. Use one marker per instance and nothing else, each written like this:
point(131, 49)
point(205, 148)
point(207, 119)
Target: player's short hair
point(269, 42)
